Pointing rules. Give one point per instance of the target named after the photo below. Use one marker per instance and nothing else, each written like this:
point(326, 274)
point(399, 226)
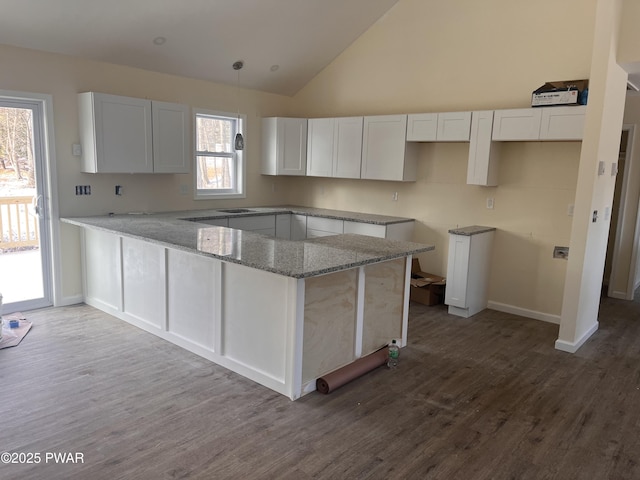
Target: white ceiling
point(203, 37)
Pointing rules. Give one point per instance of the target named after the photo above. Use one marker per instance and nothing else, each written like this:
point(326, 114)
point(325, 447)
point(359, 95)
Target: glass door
point(25, 261)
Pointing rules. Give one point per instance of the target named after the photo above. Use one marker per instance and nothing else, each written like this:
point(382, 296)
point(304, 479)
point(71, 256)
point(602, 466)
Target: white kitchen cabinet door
point(219, 222)
point(283, 226)
point(298, 227)
point(284, 146)
point(482, 168)
point(562, 123)
point(521, 124)
point(334, 147)
point(320, 141)
point(116, 134)
point(265, 224)
point(454, 126)
point(386, 155)
point(457, 271)
point(422, 127)
point(369, 229)
point(347, 147)
point(170, 137)
point(323, 227)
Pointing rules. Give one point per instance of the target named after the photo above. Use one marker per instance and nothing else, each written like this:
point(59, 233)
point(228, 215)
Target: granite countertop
point(297, 259)
point(472, 230)
point(194, 215)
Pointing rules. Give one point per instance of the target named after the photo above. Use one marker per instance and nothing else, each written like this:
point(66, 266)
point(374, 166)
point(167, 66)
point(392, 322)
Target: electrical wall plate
point(561, 252)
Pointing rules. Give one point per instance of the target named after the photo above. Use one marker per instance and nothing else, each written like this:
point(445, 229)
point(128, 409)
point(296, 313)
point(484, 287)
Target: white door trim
point(49, 190)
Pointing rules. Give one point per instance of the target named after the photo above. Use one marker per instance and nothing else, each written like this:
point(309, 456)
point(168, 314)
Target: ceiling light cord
point(239, 140)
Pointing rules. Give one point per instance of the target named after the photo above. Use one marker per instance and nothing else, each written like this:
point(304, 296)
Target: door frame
point(49, 189)
point(623, 213)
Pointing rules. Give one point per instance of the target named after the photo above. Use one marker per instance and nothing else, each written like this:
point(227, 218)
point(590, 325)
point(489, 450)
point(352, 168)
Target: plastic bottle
point(394, 353)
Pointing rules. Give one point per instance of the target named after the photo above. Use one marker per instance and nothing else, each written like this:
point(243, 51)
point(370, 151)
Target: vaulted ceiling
point(284, 43)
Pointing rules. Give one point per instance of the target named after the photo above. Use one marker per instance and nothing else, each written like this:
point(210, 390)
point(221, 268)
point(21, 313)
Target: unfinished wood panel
point(329, 323)
point(383, 304)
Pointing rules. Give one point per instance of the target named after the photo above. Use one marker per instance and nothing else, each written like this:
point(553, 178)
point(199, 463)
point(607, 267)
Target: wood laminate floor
point(482, 398)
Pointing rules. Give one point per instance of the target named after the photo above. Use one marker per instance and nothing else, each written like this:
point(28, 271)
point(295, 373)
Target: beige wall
point(63, 77)
point(628, 51)
point(463, 55)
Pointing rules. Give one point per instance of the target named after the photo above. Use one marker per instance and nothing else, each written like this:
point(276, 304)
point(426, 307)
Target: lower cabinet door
point(457, 271)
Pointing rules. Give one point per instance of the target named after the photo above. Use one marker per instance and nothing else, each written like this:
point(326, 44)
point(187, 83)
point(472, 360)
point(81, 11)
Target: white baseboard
point(572, 347)
point(525, 312)
point(66, 301)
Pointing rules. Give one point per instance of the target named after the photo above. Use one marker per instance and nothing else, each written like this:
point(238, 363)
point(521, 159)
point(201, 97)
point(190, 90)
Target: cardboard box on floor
point(426, 288)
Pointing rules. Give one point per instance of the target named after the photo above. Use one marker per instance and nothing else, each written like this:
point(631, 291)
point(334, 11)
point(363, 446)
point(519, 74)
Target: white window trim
point(241, 158)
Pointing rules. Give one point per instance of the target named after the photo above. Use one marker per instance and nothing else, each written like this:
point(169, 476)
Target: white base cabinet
point(468, 264)
point(284, 338)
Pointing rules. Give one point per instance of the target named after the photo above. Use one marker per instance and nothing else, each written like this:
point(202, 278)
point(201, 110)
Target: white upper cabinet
point(334, 147)
point(171, 147)
point(562, 123)
point(454, 126)
point(520, 124)
point(116, 134)
point(132, 135)
point(386, 155)
point(284, 146)
point(320, 140)
point(347, 147)
point(438, 127)
point(422, 127)
point(482, 168)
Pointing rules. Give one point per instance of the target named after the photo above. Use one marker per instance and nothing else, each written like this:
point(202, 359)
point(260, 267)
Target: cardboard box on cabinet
point(566, 92)
point(426, 288)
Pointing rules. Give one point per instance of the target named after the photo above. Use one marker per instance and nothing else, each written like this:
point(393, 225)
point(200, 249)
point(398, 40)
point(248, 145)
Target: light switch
point(600, 168)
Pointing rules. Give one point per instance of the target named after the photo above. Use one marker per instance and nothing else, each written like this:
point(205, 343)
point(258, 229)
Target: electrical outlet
point(394, 197)
point(118, 189)
point(184, 189)
point(561, 252)
point(570, 209)
point(490, 203)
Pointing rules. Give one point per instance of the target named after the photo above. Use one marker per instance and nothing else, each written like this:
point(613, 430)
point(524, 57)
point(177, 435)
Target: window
point(219, 168)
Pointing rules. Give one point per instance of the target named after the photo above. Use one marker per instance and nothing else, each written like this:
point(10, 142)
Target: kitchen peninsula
point(277, 310)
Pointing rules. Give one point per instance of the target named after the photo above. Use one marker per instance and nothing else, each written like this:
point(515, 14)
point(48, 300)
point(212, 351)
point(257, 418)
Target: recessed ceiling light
point(159, 40)
point(274, 68)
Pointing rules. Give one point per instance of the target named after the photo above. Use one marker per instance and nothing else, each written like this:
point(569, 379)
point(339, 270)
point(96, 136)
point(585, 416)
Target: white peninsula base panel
point(279, 331)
